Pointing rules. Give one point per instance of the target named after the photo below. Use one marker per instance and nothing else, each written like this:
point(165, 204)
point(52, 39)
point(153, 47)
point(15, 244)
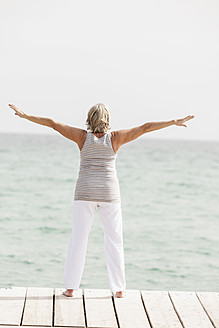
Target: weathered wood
point(190, 310)
point(160, 309)
point(99, 308)
point(210, 301)
point(11, 305)
point(69, 311)
point(34, 307)
point(38, 309)
point(130, 310)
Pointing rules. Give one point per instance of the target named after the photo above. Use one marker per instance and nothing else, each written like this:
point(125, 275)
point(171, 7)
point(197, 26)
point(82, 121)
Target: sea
point(170, 206)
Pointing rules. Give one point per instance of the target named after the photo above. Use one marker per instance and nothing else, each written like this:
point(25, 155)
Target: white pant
point(111, 218)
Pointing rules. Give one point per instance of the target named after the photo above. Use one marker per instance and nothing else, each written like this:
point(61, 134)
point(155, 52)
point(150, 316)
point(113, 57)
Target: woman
point(97, 187)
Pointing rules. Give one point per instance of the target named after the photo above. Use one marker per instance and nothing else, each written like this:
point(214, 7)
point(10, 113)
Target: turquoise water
point(170, 193)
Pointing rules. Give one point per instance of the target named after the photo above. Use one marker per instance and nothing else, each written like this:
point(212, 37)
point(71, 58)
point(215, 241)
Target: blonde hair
point(98, 118)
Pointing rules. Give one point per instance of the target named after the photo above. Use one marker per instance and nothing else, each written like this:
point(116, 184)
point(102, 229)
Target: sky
point(147, 60)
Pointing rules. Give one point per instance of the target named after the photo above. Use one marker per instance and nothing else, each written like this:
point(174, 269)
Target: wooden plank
point(190, 310)
point(160, 309)
point(210, 301)
point(130, 310)
point(99, 308)
point(163, 309)
point(69, 311)
point(38, 309)
point(11, 305)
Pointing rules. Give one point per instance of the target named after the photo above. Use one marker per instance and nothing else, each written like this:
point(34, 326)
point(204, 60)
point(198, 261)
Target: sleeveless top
point(97, 177)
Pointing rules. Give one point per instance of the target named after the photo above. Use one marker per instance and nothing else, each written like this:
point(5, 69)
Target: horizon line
point(144, 137)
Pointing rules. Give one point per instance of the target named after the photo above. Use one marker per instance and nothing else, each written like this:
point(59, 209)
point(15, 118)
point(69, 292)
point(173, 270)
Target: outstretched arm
point(70, 132)
point(121, 137)
point(36, 119)
point(151, 126)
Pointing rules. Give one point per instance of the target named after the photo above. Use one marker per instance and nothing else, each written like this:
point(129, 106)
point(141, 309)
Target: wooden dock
point(47, 307)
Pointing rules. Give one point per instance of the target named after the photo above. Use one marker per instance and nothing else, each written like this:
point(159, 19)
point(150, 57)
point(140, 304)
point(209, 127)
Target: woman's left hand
point(17, 110)
point(181, 121)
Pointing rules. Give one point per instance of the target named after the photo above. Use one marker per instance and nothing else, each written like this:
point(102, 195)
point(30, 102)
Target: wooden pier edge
point(47, 307)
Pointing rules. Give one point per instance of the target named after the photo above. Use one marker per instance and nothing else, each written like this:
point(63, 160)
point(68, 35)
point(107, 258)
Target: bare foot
point(68, 292)
point(120, 294)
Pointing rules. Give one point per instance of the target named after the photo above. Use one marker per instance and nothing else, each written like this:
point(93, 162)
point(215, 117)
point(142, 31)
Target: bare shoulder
point(117, 137)
point(82, 139)
point(114, 138)
point(120, 137)
point(75, 134)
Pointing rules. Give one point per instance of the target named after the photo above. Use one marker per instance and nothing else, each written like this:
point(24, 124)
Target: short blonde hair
point(98, 118)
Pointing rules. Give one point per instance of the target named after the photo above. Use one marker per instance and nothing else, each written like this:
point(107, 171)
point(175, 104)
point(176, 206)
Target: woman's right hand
point(18, 111)
point(181, 121)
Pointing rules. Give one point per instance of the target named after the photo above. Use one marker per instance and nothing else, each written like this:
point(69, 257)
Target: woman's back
point(97, 178)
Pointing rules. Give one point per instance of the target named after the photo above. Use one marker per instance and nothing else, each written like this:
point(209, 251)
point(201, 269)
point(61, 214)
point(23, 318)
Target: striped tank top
point(97, 177)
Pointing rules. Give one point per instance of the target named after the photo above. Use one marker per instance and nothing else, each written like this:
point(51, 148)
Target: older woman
point(97, 187)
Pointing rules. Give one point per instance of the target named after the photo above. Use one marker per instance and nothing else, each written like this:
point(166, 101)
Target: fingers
point(17, 111)
point(12, 106)
point(189, 117)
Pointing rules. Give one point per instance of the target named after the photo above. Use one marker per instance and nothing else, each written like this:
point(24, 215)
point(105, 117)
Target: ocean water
point(170, 205)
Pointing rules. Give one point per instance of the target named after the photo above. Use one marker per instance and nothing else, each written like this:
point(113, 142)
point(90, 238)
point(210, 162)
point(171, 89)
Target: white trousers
point(111, 218)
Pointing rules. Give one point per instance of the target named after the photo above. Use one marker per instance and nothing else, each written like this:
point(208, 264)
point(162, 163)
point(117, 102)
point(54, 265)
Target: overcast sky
point(147, 60)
